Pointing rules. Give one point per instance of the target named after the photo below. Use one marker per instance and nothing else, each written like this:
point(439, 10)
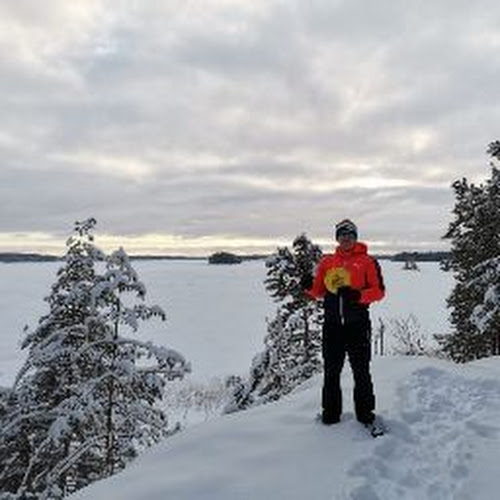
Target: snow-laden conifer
point(300, 318)
point(291, 352)
point(475, 252)
point(486, 315)
point(85, 401)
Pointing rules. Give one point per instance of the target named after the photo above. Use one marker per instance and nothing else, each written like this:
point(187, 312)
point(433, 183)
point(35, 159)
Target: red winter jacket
point(355, 269)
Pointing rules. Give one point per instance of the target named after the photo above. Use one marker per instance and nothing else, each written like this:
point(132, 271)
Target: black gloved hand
point(349, 294)
point(306, 282)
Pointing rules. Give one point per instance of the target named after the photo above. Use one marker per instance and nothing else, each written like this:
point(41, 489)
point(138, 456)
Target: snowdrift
point(444, 443)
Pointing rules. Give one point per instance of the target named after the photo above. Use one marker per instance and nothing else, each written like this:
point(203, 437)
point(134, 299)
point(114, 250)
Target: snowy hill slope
point(444, 443)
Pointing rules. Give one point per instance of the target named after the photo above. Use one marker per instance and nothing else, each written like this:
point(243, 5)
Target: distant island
point(224, 258)
point(420, 256)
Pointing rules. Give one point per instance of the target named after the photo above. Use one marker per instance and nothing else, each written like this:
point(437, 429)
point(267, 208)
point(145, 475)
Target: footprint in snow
point(427, 454)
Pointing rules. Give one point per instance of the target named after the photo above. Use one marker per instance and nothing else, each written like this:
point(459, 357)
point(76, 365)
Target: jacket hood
point(359, 248)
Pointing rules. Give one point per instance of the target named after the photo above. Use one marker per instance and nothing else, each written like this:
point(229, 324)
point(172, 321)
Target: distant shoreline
point(13, 257)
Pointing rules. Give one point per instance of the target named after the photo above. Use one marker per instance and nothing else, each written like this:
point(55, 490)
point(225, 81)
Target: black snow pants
point(352, 339)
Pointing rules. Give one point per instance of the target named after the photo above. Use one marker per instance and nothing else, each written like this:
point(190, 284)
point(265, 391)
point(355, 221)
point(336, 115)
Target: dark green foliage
point(291, 353)
point(475, 248)
point(494, 149)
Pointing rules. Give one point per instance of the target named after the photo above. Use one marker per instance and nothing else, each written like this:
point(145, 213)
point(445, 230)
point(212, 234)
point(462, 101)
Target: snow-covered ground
point(443, 444)
point(444, 439)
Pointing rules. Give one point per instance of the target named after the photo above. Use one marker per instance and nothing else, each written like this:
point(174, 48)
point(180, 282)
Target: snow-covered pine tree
point(301, 318)
point(486, 315)
point(275, 371)
point(86, 397)
point(292, 346)
point(475, 254)
point(7, 403)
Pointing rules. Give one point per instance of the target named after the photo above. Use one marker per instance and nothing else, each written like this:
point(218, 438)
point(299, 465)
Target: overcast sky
point(192, 126)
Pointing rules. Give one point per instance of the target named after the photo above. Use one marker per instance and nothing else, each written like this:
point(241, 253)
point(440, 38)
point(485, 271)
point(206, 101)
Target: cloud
point(246, 120)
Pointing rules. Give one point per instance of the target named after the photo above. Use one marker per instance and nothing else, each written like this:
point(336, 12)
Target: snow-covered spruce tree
point(292, 345)
point(475, 254)
point(302, 317)
point(486, 315)
point(7, 403)
point(86, 397)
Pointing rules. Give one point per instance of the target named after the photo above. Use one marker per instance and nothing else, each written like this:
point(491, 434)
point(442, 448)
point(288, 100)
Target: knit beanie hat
point(346, 227)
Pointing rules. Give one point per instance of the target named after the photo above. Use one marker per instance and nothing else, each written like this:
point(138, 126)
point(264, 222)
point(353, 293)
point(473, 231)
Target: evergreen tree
point(494, 149)
point(292, 345)
point(85, 401)
point(475, 251)
point(7, 406)
point(486, 315)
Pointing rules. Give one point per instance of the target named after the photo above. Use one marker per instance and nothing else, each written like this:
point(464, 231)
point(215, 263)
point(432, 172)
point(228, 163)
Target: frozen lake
point(216, 315)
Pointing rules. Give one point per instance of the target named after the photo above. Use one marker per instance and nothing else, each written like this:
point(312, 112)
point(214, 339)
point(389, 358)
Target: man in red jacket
point(348, 281)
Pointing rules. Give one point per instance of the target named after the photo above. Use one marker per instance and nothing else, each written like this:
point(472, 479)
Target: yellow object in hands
point(337, 277)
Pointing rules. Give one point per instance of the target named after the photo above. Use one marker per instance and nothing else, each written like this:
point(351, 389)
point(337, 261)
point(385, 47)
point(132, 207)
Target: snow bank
point(443, 443)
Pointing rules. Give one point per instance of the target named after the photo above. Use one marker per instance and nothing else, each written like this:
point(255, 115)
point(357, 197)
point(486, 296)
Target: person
point(348, 281)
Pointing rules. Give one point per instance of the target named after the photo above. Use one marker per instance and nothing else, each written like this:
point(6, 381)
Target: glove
point(349, 294)
point(306, 282)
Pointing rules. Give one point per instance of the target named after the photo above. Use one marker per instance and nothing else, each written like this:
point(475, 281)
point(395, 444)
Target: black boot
point(329, 418)
point(366, 418)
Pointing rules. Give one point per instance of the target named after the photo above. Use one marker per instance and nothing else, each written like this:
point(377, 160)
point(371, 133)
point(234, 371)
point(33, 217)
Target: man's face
point(346, 241)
